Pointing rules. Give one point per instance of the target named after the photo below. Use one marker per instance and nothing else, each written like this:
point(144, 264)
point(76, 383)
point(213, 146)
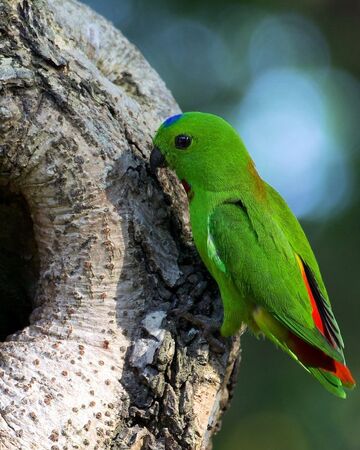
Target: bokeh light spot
point(286, 40)
point(283, 122)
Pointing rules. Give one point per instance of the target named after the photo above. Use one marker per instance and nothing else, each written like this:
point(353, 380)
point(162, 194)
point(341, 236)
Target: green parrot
point(253, 246)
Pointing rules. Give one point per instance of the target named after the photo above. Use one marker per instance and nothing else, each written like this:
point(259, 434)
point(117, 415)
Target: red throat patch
point(187, 188)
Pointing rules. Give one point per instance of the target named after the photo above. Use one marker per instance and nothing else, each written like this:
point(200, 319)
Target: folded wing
point(278, 283)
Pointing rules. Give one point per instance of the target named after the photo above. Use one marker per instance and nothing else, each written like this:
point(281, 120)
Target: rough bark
point(92, 245)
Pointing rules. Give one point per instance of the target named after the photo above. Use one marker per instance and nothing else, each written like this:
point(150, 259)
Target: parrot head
point(203, 150)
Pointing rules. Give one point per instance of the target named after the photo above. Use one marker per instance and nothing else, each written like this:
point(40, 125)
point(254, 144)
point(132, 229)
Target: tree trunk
point(97, 271)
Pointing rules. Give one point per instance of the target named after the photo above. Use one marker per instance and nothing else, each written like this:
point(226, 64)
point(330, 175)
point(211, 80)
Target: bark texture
point(99, 252)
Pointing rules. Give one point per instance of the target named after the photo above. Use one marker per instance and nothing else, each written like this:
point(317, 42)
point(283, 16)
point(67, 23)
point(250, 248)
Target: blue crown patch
point(169, 121)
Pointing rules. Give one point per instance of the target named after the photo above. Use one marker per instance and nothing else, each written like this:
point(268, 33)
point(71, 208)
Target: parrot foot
point(209, 326)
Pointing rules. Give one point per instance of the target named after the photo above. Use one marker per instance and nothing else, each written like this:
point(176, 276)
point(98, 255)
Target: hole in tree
point(19, 263)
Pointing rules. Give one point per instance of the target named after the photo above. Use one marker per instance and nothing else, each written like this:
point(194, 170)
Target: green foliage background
point(201, 50)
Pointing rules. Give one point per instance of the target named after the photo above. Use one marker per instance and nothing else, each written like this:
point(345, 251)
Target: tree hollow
point(19, 263)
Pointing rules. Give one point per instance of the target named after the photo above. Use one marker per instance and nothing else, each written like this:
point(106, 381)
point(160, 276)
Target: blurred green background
point(286, 75)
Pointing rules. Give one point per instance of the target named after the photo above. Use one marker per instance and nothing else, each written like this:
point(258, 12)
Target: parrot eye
point(182, 141)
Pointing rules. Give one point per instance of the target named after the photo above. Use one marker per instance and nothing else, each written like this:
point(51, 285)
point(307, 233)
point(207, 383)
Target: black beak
point(157, 159)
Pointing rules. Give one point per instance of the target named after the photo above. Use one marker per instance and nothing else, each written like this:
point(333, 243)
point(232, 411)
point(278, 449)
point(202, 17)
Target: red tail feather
point(314, 357)
point(344, 374)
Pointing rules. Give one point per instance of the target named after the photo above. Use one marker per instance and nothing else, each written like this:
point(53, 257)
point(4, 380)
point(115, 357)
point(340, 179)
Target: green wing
point(298, 241)
point(261, 262)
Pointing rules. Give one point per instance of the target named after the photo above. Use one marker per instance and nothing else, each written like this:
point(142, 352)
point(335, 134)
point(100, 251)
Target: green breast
point(201, 208)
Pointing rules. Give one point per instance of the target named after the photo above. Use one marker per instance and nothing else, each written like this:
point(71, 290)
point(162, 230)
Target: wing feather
point(263, 266)
point(331, 328)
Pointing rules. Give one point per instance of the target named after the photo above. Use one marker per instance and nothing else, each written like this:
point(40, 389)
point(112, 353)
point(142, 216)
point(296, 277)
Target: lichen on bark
point(106, 360)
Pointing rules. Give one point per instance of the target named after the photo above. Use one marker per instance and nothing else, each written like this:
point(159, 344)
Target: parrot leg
point(234, 312)
point(209, 326)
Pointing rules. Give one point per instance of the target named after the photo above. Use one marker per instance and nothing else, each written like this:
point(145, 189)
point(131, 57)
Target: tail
point(332, 374)
point(331, 382)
